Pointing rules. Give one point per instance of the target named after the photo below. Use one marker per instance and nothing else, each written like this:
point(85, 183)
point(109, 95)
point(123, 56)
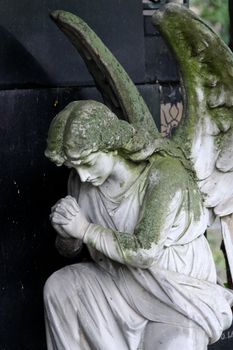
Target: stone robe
point(112, 302)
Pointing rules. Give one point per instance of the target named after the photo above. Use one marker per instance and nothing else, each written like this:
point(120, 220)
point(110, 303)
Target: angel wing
point(206, 68)
point(206, 135)
point(118, 91)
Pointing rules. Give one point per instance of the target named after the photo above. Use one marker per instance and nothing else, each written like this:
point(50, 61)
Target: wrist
point(83, 230)
point(88, 233)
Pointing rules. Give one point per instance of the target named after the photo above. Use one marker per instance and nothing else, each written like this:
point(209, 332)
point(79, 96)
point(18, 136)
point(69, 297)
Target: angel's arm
point(161, 203)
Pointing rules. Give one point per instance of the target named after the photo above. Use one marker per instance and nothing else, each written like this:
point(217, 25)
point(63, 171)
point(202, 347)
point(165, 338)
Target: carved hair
point(84, 127)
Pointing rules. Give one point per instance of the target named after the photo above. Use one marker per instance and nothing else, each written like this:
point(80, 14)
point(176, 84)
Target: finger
point(68, 202)
point(65, 198)
point(63, 212)
point(57, 204)
point(68, 206)
point(72, 200)
point(60, 230)
point(53, 207)
point(65, 206)
point(59, 219)
point(72, 203)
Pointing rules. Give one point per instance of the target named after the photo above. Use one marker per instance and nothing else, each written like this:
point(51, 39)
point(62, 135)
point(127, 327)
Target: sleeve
point(68, 247)
point(162, 201)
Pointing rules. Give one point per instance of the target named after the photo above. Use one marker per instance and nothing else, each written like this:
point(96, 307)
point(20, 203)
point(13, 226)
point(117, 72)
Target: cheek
point(100, 172)
point(94, 172)
point(105, 168)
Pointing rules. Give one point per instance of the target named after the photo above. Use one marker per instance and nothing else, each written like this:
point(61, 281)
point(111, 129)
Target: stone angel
point(141, 203)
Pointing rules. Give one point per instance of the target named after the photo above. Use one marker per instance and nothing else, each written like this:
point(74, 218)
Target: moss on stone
point(117, 88)
point(206, 65)
point(166, 176)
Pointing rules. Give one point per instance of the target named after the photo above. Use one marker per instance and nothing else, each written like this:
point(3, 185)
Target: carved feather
point(206, 66)
point(118, 91)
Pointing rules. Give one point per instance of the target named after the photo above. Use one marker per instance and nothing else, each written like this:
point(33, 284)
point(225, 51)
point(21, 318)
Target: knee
point(65, 283)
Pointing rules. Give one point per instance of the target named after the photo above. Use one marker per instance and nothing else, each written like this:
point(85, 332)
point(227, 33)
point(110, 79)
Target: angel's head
point(87, 136)
point(84, 128)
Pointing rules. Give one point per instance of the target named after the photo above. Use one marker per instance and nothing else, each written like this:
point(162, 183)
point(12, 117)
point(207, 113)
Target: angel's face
point(94, 168)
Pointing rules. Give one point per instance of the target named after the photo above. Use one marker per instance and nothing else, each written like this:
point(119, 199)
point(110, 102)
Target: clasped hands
point(68, 219)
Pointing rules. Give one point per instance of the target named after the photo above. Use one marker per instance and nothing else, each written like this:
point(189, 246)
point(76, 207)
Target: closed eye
point(87, 164)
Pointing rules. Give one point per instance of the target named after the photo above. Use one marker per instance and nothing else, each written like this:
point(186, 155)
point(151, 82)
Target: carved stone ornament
point(141, 203)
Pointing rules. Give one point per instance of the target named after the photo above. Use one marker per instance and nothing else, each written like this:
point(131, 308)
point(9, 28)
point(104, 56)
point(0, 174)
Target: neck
point(124, 174)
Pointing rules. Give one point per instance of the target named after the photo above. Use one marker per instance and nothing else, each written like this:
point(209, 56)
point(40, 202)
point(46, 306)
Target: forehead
point(84, 158)
point(74, 155)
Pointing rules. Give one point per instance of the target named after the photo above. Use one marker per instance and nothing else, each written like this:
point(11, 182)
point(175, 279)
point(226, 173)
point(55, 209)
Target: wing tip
point(55, 14)
point(63, 16)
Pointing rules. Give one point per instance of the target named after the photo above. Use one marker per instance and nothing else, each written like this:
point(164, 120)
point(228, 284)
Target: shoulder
point(165, 169)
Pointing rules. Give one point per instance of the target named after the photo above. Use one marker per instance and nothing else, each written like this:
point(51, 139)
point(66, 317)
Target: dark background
point(40, 72)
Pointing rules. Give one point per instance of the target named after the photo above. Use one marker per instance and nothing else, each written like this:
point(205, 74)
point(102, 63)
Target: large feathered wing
point(206, 135)
point(118, 90)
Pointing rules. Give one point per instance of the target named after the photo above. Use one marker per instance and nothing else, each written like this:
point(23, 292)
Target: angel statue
point(141, 203)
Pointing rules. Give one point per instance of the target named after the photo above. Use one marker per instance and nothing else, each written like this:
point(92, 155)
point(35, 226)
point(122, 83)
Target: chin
point(98, 182)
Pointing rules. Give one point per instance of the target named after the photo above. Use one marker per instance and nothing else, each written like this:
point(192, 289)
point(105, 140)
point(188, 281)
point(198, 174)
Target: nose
point(83, 174)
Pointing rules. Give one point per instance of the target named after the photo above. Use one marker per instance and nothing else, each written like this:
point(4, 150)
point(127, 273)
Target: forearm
point(121, 247)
